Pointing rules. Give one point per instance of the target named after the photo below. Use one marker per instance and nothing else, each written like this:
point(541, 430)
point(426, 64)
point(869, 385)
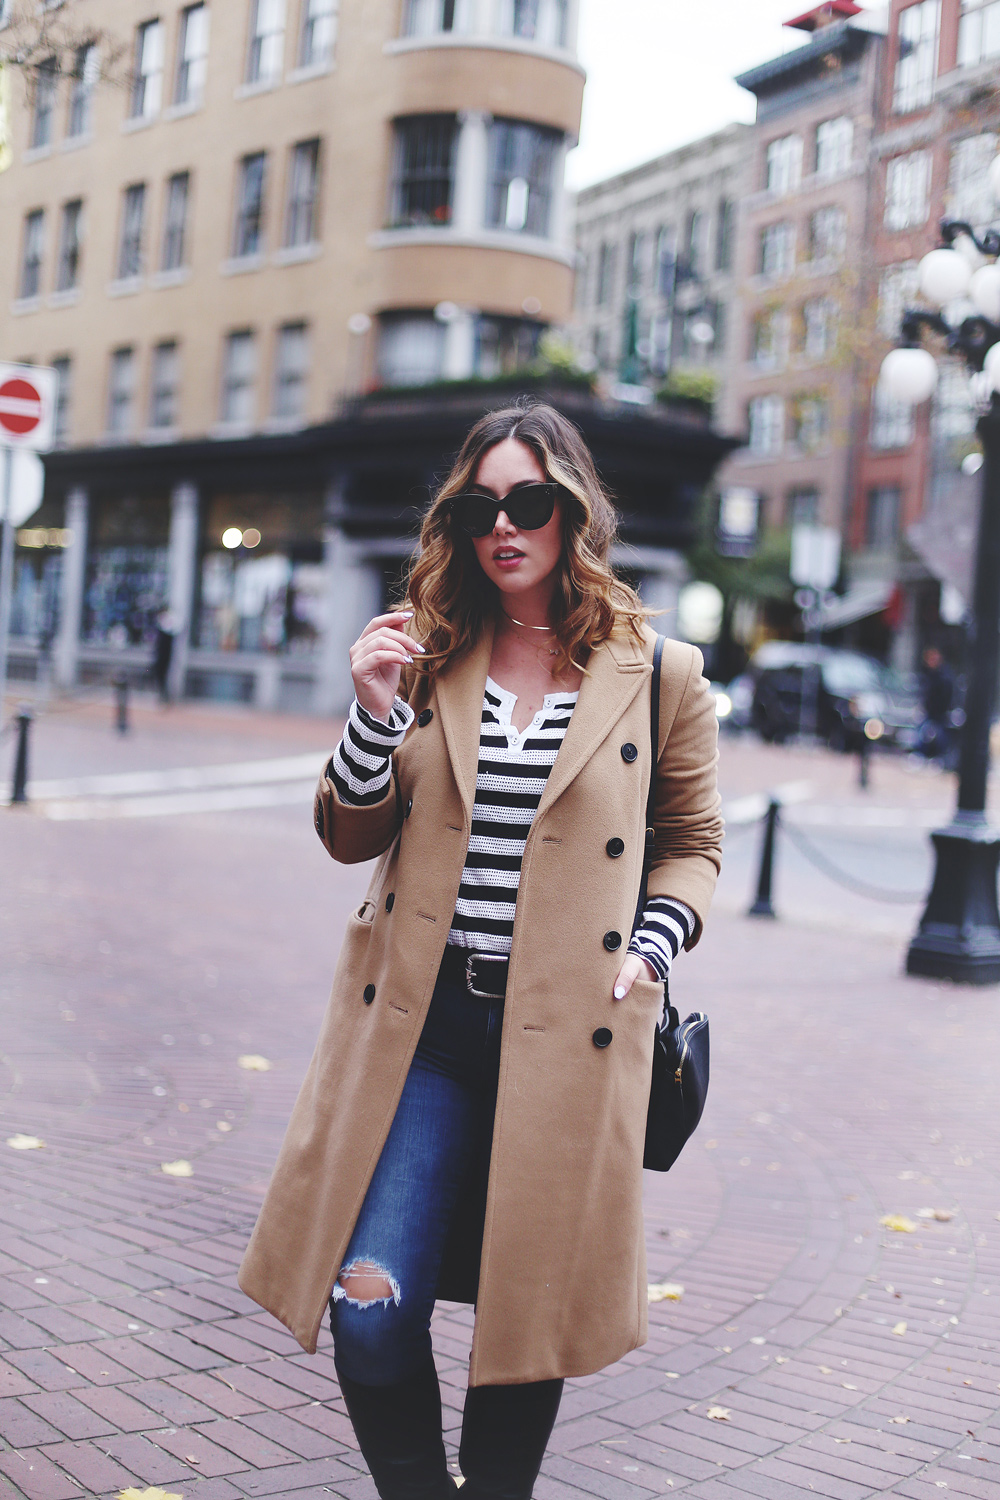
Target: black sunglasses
point(530, 506)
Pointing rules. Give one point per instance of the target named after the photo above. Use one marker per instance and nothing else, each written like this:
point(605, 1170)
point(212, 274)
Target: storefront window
point(38, 561)
point(126, 582)
point(262, 580)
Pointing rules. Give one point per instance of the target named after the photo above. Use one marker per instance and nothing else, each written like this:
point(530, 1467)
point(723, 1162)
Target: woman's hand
point(632, 969)
point(377, 659)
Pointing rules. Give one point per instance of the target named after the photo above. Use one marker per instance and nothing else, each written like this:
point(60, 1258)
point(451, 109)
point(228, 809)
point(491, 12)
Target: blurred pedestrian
point(163, 652)
point(472, 1123)
point(939, 694)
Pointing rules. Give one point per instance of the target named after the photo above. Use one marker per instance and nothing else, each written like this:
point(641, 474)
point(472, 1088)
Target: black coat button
point(612, 940)
point(615, 847)
point(602, 1037)
point(369, 993)
point(390, 901)
point(424, 717)
point(629, 752)
point(408, 808)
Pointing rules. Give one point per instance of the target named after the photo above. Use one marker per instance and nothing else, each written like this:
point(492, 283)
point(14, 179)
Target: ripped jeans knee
point(381, 1336)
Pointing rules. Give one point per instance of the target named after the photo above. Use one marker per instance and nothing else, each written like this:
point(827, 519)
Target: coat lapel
point(459, 690)
point(615, 673)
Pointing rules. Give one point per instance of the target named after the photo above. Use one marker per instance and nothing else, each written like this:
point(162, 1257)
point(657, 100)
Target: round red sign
point(20, 406)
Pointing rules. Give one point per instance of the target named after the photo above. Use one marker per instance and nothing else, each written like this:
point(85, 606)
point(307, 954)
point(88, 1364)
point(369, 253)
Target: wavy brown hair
point(447, 590)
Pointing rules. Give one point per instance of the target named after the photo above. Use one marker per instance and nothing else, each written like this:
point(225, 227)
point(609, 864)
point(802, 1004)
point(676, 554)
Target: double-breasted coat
point(562, 1276)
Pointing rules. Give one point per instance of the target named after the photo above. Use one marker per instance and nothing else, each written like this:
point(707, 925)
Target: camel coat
point(562, 1278)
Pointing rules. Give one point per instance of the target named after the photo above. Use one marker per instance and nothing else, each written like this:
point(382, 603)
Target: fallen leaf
point(664, 1291)
point(943, 1215)
point(254, 1063)
point(900, 1421)
point(177, 1168)
point(758, 1341)
point(899, 1222)
point(900, 1328)
point(672, 1375)
point(223, 1125)
point(841, 1440)
point(847, 1386)
point(25, 1143)
point(825, 1370)
point(189, 1458)
point(153, 1494)
point(781, 1359)
point(718, 1414)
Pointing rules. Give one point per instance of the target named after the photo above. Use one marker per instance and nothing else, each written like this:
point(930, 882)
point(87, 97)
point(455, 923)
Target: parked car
point(846, 695)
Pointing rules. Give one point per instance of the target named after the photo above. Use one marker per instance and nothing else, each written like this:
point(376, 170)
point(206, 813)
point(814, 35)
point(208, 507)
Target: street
point(168, 946)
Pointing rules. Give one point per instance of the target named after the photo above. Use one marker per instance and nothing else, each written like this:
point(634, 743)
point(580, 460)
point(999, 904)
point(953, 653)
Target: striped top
point(513, 769)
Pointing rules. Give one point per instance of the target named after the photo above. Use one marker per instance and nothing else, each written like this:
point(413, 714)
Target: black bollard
point(19, 791)
point(864, 758)
point(121, 703)
point(762, 907)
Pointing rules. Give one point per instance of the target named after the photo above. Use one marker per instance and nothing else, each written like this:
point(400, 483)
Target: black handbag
point(679, 1082)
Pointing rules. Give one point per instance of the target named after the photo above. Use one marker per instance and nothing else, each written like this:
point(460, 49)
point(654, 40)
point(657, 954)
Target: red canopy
point(823, 15)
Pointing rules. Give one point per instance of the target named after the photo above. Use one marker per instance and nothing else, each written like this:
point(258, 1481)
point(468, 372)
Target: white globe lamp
point(993, 178)
point(991, 367)
point(984, 289)
point(908, 375)
point(942, 276)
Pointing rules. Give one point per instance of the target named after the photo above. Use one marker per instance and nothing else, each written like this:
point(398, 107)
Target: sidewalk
point(813, 1351)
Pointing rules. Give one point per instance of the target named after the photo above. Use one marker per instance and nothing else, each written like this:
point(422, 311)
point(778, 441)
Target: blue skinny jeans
point(438, 1148)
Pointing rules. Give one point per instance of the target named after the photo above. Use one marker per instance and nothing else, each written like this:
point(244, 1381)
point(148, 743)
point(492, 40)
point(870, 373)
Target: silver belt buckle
point(490, 958)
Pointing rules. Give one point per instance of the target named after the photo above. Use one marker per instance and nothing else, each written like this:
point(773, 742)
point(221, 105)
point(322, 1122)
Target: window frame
point(307, 51)
point(132, 232)
point(43, 109)
point(260, 41)
point(299, 380)
point(831, 137)
point(410, 181)
point(32, 259)
point(901, 202)
point(783, 164)
point(913, 87)
point(770, 427)
point(229, 385)
point(972, 20)
point(86, 67)
point(121, 396)
point(783, 233)
point(250, 211)
point(146, 98)
point(70, 245)
point(175, 235)
point(163, 352)
point(300, 205)
point(513, 146)
point(186, 93)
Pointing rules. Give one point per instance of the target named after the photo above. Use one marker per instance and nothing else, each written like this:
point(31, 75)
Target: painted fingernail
point(417, 646)
point(409, 658)
point(407, 614)
point(619, 992)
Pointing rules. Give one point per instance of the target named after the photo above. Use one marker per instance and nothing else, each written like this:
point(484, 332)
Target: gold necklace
point(525, 626)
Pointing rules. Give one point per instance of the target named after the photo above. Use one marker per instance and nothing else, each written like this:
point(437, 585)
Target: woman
point(471, 1126)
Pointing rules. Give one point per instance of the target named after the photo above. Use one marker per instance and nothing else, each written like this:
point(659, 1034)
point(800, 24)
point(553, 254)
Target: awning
point(860, 601)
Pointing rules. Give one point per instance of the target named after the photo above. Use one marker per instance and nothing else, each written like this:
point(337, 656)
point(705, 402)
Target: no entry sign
point(27, 406)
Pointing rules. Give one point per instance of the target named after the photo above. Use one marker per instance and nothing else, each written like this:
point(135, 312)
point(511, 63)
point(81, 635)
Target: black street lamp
point(959, 933)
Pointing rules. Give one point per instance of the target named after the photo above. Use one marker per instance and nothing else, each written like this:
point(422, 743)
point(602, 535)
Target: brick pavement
point(837, 1357)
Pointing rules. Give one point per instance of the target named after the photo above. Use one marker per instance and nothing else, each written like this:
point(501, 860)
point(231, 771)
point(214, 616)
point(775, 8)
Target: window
point(696, 241)
point(819, 320)
point(319, 32)
point(175, 222)
point(248, 237)
point(666, 261)
point(192, 55)
point(86, 66)
point(636, 260)
point(428, 17)
point(303, 186)
point(770, 339)
point(827, 233)
point(424, 174)
point(892, 422)
point(777, 249)
point(882, 516)
point(810, 418)
point(834, 144)
point(43, 110)
point(784, 164)
point(605, 274)
point(803, 507)
point(163, 385)
point(724, 235)
point(239, 374)
point(411, 349)
point(542, 21)
point(291, 366)
point(130, 244)
point(504, 345)
point(970, 196)
point(897, 291)
point(32, 253)
point(147, 79)
point(917, 55)
point(978, 32)
point(63, 367)
point(907, 190)
point(767, 425)
point(121, 392)
point(267, 41)
point(68, 264)
point(522, 165)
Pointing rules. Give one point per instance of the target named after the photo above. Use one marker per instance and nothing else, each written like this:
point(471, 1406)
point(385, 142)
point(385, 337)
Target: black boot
point(504, 1432)
point(398, 1428)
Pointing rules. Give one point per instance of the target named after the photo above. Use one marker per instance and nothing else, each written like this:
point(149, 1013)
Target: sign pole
point(6, 567)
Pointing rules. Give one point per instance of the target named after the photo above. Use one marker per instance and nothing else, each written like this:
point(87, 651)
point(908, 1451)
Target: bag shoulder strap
point(654, 741)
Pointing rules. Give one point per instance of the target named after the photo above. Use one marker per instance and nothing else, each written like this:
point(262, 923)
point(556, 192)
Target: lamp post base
point(959, 933)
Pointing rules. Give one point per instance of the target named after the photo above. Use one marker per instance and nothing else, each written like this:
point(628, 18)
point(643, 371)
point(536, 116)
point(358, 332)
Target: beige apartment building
point(268, 208)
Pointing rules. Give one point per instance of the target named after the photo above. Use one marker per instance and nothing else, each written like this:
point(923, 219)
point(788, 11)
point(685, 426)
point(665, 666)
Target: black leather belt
point(482, 974)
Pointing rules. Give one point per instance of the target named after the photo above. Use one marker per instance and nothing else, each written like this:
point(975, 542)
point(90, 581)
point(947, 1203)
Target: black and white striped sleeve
point(361, 767)
point(665, 927)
